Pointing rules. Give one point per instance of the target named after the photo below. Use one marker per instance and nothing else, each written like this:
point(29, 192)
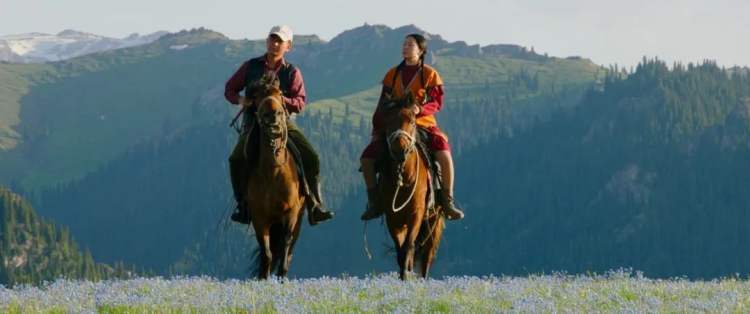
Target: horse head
point(401, 127)
point(271, 113)
point(266, 95)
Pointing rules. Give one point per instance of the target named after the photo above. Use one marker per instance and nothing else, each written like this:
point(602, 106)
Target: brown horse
point(403, 186)
point(273, 193)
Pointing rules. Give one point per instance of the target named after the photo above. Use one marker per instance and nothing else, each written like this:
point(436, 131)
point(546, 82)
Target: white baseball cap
point(283, 31)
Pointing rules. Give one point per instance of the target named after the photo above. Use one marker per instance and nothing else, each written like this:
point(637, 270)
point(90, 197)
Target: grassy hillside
point(17, 80)
point(469, 79)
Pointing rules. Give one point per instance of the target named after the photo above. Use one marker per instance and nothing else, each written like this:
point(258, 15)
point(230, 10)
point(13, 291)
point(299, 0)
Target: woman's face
point(410, 50)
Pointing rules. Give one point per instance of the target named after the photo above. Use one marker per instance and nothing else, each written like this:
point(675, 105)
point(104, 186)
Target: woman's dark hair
point(422, 44)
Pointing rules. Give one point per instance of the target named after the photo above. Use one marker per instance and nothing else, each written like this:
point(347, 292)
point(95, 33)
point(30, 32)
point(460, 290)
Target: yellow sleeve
point(388, 79)
point(436, 80)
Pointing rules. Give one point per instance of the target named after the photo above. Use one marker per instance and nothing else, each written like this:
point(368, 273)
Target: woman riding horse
point(415, 227)
point(424, 82)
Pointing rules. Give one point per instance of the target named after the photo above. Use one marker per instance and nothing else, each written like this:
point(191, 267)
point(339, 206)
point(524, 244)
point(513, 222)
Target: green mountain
point(644, 172)
point(561, 164)
point(69, 118)
point(173, 188)
point(75, 115)
point(34, 250)
point(647, 172)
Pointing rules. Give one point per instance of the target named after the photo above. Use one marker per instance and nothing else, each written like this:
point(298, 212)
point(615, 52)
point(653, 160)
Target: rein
point(432, 227)
point(411, 148)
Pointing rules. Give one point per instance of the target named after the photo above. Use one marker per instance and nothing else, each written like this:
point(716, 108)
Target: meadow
point(616, 291)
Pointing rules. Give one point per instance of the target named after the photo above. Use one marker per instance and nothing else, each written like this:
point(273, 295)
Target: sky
point(608, 32)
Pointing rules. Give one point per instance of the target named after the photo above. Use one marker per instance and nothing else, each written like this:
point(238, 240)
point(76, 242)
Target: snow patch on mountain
point(41, 47)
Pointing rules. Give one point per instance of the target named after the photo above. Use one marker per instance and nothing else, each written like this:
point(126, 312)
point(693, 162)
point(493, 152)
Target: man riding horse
point(272, 63)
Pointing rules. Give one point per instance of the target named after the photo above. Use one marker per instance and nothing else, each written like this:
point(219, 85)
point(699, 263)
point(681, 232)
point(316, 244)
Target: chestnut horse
point(403, 186)
point(273, 193)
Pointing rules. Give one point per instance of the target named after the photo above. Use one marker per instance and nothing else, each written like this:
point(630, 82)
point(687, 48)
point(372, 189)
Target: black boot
point(372, 211)
point(238, 176)
point(241, 213)
point(449, 207)
point(315, 211)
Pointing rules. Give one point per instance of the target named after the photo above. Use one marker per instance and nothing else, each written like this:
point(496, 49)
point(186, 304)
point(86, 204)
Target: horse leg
point(431, 247)
point(427, 260)
point(284, 269)
point(401, 256)
point(264, 241)
point(294, 238)
point(399, 236)
point(289, 230)
point(409, 246)
point(409, 256)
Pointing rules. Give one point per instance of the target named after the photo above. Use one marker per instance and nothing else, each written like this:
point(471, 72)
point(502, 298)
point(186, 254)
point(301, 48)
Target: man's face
point(277, 47)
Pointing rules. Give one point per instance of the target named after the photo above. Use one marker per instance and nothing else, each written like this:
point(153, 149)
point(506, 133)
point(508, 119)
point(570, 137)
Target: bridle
point(277, 140)
point(411, 147)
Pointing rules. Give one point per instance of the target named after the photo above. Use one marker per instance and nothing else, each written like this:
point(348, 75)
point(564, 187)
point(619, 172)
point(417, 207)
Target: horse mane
point(405, 101)
point(265, 88)
point(267, 85)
